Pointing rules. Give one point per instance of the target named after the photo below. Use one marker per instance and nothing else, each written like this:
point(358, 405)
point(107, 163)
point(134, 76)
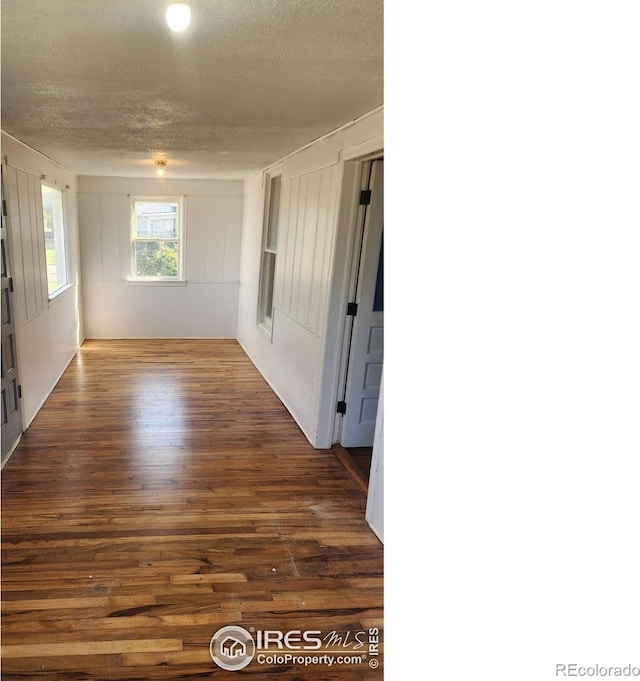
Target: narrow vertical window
point(54, 239)
point(269, 251)
point(156, 239)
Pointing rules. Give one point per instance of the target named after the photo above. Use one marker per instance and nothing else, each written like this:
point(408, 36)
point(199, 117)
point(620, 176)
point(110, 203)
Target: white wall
point(205, 305)
point(48, 332)
point(375, 498)
point(300, 360)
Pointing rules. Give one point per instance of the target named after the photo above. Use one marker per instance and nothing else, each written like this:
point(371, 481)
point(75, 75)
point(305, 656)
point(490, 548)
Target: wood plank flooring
point(354, 466)
point(163, 492)
point(362, 458)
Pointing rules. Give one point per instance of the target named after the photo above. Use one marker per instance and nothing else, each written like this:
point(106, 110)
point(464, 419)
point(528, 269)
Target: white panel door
point(364, 372)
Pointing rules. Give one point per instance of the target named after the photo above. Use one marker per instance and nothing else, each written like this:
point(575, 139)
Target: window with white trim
point(269, 251)
point(54, 239)
point(156, 239)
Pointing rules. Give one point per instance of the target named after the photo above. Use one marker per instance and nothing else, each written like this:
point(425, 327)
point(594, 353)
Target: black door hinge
point(352, 309)
point(365, 197)
point(4, 207)
point(20, 392)
point(342, 407)
point(10, 284)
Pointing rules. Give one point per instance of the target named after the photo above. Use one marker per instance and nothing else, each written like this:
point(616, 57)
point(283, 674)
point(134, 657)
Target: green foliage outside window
point(156, 259)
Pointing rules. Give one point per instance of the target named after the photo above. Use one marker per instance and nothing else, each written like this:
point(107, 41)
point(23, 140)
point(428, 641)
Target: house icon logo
point(232, 648)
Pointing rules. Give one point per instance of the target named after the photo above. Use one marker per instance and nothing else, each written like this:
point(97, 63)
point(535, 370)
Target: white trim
point(35, 151)
point(327, 420)
point(272, 171)
point(180, 239)
point(360, 147)
point(266, 329)
point(373, 146)
point(302, 325)
point(156, 282)
point(354, 249)
point(91, 338)
point(345, 126)
point(59, 291)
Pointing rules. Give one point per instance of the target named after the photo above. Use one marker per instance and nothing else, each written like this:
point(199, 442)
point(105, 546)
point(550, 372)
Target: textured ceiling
point(104, 87)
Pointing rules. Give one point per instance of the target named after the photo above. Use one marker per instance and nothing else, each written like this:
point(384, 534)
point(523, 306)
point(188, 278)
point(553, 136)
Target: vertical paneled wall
point(205, 304)
point(48, 332)
point(30, 280)
point(293, 357)
point(305, 236)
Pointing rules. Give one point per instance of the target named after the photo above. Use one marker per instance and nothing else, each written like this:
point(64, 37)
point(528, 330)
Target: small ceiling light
point(160, 166)
point(178, 16)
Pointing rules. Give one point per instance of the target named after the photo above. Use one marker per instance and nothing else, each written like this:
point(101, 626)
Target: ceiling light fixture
point(160, 166)
point(178, 16)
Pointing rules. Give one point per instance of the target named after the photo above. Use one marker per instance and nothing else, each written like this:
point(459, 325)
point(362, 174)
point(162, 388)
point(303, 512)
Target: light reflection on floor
point(159, 411)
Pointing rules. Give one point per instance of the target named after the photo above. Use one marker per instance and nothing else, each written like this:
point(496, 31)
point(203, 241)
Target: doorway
point(363, 346)
point(11, 412)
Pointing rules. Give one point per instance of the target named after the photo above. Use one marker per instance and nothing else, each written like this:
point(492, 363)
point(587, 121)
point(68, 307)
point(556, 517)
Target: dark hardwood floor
point(163, 492)
point(362, 459)
point(357, 462)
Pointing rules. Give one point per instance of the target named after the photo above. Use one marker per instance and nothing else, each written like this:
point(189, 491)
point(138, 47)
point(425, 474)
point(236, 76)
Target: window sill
point(266, 330)
point(58, 292)
point(156, 282)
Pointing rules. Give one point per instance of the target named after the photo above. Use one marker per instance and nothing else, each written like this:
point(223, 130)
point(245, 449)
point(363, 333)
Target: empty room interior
point(192, 339)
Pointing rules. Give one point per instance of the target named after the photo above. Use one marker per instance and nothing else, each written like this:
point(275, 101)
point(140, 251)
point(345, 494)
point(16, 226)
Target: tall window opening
point(269, 252)
point(54, 239)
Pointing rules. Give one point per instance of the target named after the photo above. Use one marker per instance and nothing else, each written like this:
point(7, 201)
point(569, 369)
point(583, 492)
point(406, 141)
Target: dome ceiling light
point(178, 16)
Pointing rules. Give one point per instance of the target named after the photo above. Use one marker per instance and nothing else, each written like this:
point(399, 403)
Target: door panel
point(364, 372)
point(11, 415)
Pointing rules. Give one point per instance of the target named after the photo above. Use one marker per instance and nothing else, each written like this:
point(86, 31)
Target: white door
point(364, 368)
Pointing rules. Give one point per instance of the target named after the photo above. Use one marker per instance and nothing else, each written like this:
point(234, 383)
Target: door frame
point(328, 421)
point(9, 271)
point(360, 238)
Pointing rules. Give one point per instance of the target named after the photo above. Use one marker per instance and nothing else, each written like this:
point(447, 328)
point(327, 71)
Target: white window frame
point(135, 239)
point(60, 235)
point(269, 250)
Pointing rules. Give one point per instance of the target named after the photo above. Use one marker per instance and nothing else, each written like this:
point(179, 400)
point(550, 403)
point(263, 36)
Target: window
point(54, 239)
point(269, 250)
point(156, 239)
